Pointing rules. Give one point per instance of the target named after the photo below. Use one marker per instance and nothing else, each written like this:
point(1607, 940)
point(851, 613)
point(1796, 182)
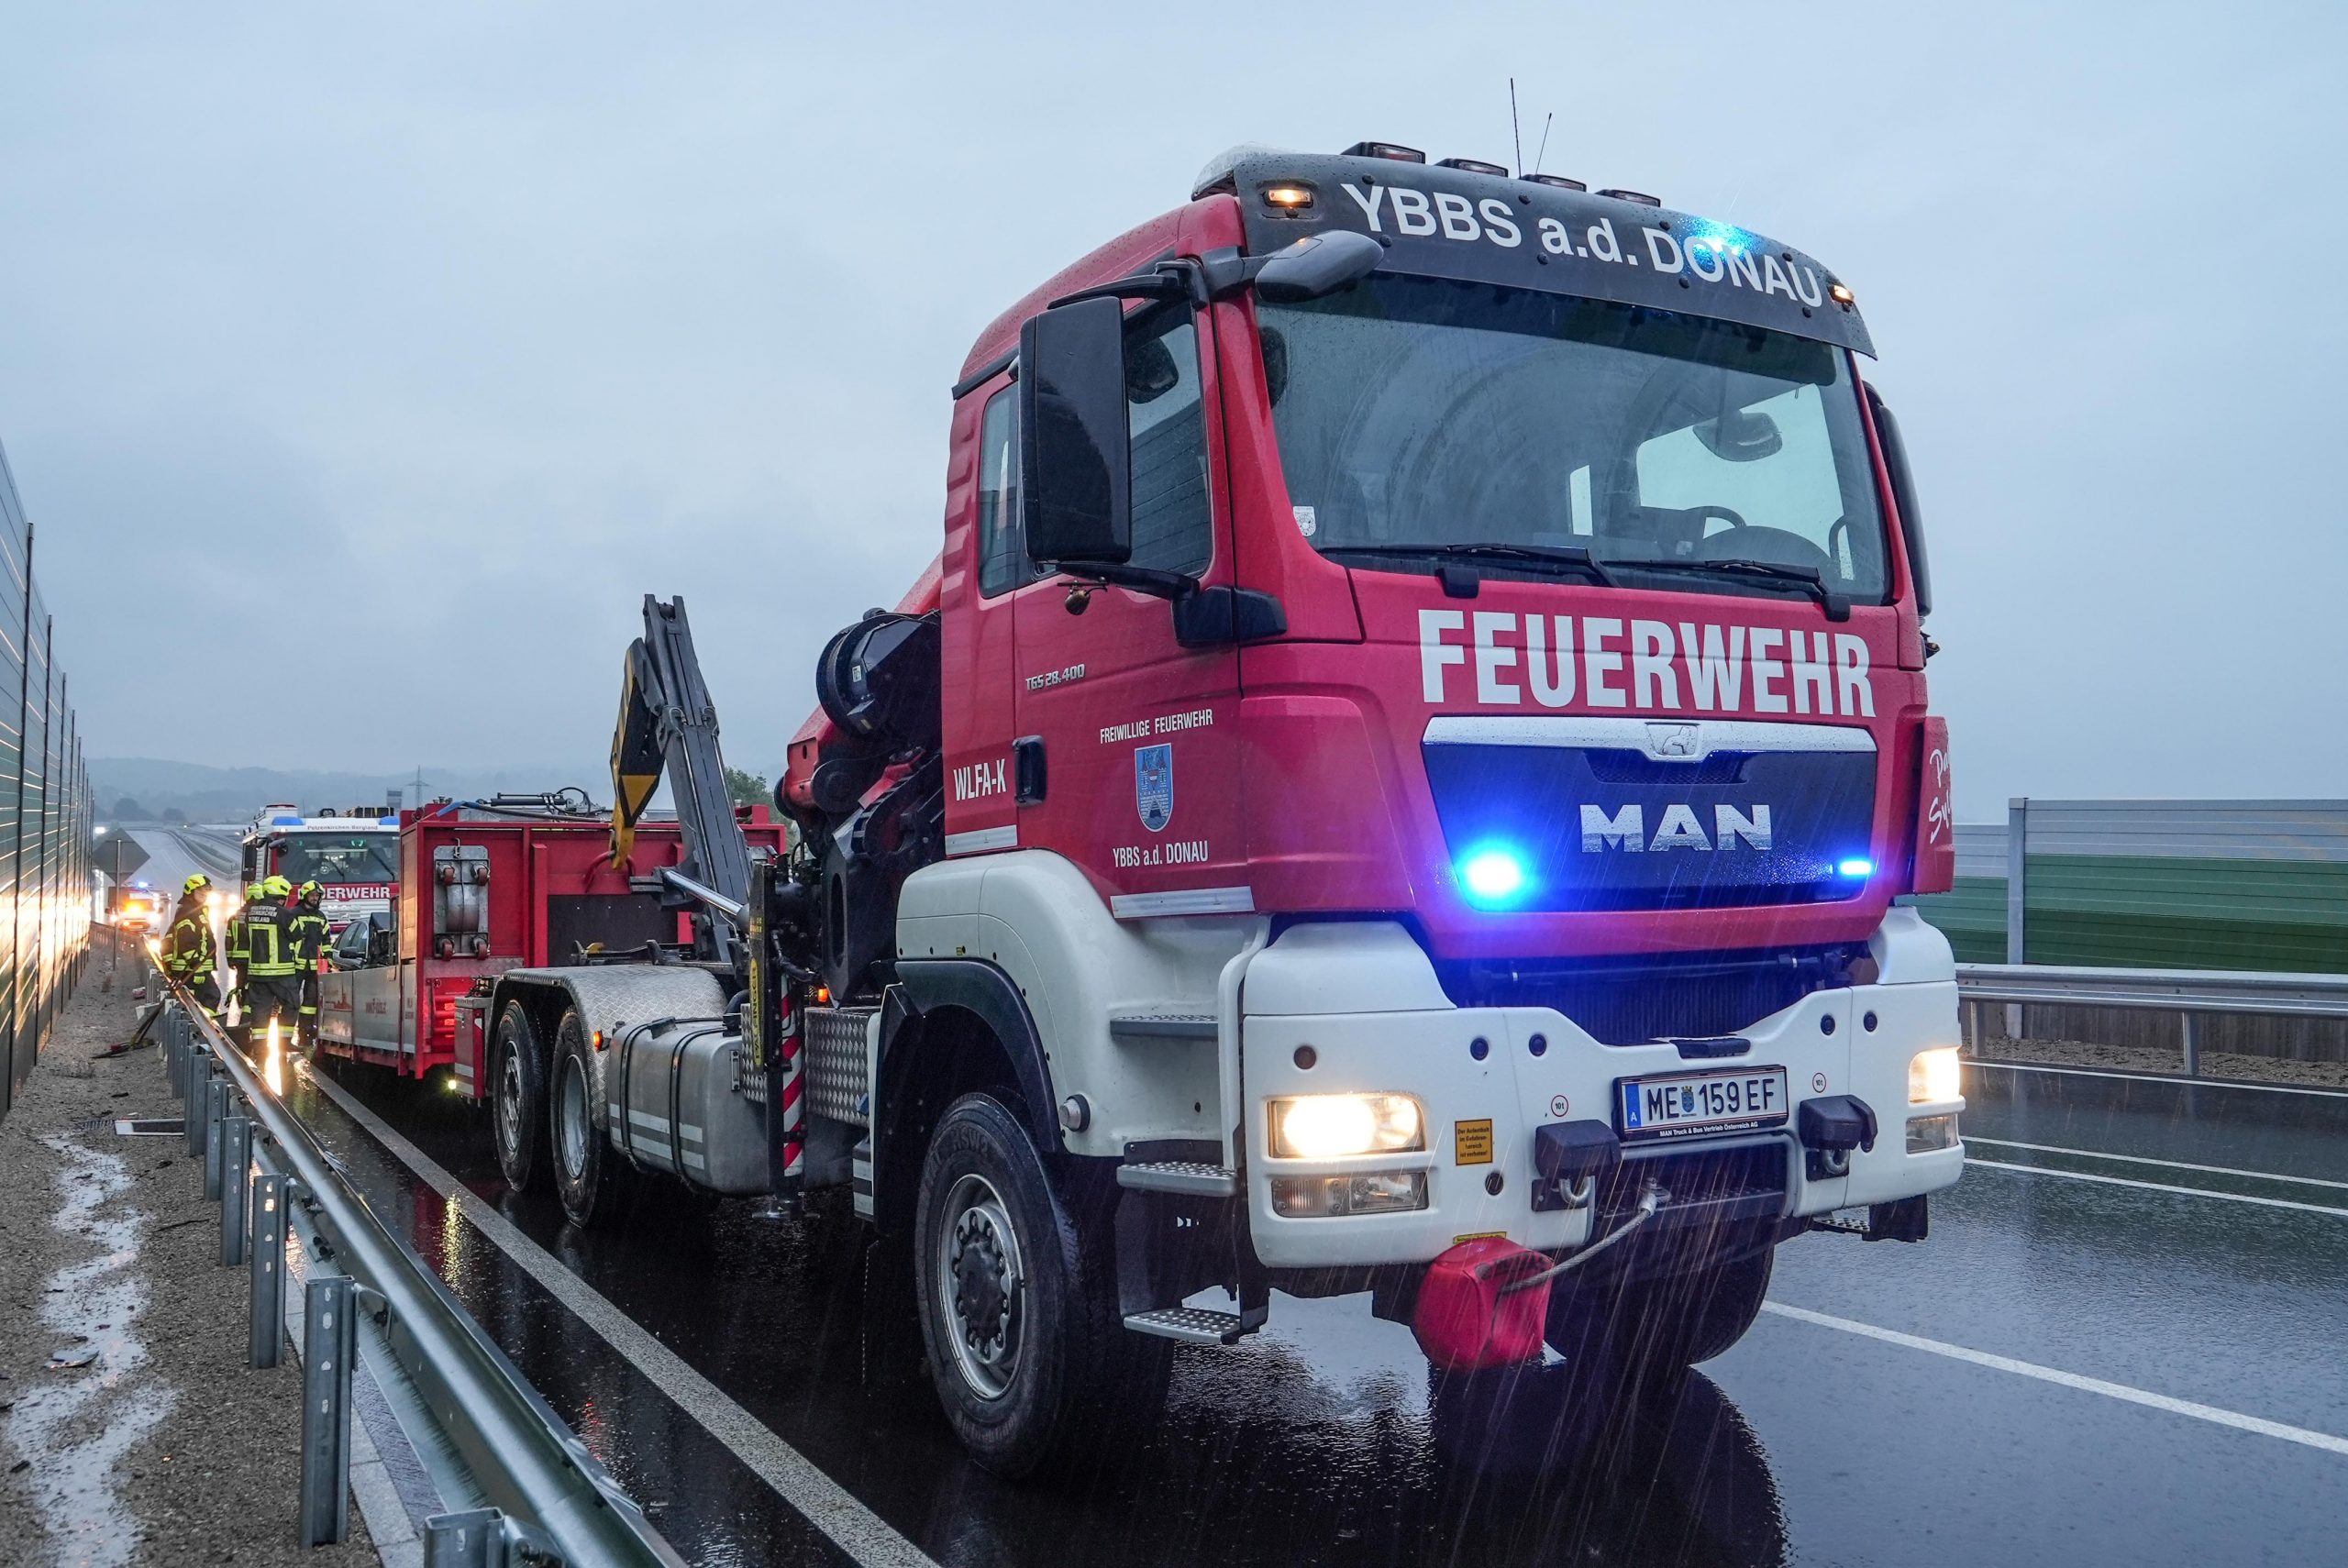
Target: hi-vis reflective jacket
point(239, 944)
point(269, 945)
point(187, 946)
point(305, 929)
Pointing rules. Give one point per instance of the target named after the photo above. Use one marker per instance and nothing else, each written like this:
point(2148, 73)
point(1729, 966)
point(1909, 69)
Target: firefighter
point(240, 953)
point(272, 977)
point(188, 953)
point(307, 930)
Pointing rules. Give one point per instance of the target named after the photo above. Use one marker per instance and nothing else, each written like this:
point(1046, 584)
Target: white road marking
point(2158, 1078)
point(1971, 1138)
point(2145, 1396)
point(2161, 1187)
point(853, 1528)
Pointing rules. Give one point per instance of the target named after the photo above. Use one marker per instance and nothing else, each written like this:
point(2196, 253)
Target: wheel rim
point(571, 1119)
point(981, 1286)
point(509, 1100)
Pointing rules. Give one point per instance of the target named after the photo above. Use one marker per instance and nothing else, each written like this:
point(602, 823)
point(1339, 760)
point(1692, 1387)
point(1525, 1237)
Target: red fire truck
point(485, 886)
point(1402, 778)
point(350, 854)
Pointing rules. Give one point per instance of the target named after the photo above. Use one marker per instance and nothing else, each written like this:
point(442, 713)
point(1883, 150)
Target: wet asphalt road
point(1322, 1442)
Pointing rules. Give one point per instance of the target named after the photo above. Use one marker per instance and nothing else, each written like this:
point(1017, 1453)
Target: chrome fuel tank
point(679, 1104)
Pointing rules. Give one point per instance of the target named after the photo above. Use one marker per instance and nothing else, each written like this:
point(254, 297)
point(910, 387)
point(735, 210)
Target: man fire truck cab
point(1402, 778)
point(352, 856)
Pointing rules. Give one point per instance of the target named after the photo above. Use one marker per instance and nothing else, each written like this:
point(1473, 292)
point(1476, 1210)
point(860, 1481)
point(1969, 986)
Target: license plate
point(1677, 1105)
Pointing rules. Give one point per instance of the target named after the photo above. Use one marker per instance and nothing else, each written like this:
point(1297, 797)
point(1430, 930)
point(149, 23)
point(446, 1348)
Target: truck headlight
point(1326, 1196)
point(1932, 1076)
point(1330, 1126)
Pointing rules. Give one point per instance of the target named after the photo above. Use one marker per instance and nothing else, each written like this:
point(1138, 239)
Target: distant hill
point(160, 788)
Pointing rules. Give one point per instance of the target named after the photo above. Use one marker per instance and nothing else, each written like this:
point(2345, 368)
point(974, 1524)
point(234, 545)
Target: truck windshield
point(1420, 415)
point(329, 858)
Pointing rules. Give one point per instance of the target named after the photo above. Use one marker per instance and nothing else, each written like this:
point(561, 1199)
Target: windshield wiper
point(1565, 557)
point(1807, 579)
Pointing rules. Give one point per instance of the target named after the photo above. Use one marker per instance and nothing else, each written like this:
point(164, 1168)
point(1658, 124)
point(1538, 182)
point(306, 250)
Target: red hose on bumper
point(1467, 1319)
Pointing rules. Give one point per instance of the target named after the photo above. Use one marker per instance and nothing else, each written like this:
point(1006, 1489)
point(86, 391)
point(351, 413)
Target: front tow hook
point(1829, 1127)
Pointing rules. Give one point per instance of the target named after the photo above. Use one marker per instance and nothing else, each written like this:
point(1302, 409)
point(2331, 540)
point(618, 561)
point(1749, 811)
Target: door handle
point(1027, 770)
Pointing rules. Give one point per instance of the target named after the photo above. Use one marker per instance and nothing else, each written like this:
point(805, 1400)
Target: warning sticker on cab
point(1471, 1143)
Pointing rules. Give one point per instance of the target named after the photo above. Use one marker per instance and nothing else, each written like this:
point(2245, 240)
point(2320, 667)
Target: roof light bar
point(1393, 150)
point(1559, 180)
point(1472, 166)
point(1639, 197)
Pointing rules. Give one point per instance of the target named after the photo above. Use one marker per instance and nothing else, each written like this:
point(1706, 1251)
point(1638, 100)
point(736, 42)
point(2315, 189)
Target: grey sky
point(442, 333)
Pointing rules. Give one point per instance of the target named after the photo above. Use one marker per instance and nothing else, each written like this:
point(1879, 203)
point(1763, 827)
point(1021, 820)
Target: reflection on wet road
point(1326, 1441)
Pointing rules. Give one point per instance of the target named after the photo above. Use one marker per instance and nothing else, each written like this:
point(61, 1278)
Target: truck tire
point(590, 1176)
point(1018, 1301)
point(517, 1087)
point(1670, 1324)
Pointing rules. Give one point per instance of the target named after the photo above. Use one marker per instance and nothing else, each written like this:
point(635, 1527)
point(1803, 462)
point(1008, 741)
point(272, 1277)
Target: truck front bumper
point(1487, 1079)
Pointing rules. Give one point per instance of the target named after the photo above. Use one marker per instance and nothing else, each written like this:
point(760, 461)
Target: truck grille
point(1632, 1003)
point(836, 1085)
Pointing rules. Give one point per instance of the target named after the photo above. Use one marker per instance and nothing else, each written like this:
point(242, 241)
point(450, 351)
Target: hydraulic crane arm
point(667, 720)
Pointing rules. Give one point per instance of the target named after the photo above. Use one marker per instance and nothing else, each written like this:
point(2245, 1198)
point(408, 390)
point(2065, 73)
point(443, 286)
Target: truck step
point(1188, 1177)
point(1162, 1024)
point(1191, 1325)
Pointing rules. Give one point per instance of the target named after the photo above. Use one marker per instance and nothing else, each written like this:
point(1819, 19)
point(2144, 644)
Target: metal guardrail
point(2189, 993)
point(552, 1501)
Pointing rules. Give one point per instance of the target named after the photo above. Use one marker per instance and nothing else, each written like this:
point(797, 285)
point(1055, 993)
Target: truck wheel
point(587, 1175)
point(518, 1098)
point(1018, 1301)
point(1670, 1324)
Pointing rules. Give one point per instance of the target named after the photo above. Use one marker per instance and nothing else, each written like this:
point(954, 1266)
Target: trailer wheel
point(587, 1175)
point(1018, 1301)
point(518, 1098)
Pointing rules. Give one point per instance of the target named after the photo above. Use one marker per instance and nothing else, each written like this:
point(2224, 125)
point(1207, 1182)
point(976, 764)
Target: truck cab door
point(1126, 757)
point(983, 569)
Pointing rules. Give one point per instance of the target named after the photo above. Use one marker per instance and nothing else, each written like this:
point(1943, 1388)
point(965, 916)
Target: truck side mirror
point(1903, 496)
point(1075, 456)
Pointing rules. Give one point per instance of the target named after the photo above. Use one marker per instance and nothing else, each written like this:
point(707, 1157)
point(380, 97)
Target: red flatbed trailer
point(483, 889)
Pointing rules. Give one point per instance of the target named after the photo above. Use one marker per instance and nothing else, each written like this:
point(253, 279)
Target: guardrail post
point(329, 1341)
point(175, 1049)
point(216, 1093)
point(474, 1538)
point(2017, 897)
point(2186, 1022)
point(236, 1165)
point(270, 1193)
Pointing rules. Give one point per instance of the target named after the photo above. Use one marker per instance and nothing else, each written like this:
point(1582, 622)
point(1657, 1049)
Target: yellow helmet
point(309, 892)
point(196, 884)
point(275, 887)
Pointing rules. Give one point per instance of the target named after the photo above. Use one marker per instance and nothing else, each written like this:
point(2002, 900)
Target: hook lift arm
point(667, 722)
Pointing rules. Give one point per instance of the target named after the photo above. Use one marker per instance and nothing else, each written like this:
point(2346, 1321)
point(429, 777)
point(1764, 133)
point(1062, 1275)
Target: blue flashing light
point(1492, 874)
point(1718, 237)
point(283, 821)
point(1855, 866)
